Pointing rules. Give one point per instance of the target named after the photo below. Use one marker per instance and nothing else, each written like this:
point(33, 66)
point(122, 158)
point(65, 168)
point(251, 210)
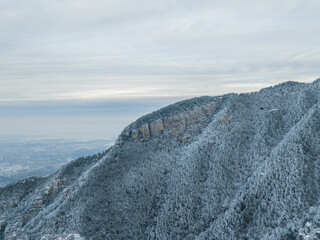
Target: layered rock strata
point(175, 126)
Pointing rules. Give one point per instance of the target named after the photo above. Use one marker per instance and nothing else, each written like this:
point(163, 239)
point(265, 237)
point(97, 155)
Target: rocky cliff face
point(180, 126)
point(241, 166)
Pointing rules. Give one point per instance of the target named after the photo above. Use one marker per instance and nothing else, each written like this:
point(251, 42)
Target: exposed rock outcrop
point(174, 126)
point(156, 127)
point(145, 130)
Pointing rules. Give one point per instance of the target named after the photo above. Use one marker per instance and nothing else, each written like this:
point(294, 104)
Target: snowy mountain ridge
point(238, 166)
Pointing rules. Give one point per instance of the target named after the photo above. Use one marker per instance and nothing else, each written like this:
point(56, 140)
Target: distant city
point(21, 157)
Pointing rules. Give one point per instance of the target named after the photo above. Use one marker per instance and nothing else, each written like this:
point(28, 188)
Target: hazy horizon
point(74, 119)
point(86, 69)
point(86, 120)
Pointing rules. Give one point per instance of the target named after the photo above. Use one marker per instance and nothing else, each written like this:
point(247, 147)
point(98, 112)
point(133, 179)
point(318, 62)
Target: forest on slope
point(238, 166)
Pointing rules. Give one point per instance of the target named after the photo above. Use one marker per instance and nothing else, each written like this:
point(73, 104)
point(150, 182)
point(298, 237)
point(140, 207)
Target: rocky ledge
point(180, 126)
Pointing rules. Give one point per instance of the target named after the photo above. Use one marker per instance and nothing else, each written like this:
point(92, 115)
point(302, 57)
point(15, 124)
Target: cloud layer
point(134, 49)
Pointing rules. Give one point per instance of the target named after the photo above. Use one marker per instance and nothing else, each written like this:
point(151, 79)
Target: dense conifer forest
point(238, 166)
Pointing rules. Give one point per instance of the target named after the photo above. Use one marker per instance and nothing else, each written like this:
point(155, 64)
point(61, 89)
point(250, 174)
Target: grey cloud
point(62, 49)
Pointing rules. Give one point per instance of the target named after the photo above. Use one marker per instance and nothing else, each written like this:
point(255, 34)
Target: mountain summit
point(238, 166)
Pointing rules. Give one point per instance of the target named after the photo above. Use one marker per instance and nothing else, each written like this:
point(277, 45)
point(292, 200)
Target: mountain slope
point(241, 166)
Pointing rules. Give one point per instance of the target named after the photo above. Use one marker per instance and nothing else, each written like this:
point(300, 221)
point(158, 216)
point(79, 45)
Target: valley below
point(21, 157)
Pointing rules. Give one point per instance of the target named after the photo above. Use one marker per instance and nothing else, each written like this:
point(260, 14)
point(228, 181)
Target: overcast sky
point(142, 50)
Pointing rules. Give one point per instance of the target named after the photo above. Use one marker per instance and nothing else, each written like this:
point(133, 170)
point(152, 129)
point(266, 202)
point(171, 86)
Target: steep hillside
point(241, 166)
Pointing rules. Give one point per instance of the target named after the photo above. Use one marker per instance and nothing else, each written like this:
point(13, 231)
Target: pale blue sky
point(152, 52)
